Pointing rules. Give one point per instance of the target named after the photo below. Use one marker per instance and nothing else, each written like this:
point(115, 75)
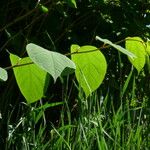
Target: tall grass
point(97, 124)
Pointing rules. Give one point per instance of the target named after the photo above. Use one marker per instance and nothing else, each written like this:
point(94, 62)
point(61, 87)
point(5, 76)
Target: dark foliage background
point(22, 22)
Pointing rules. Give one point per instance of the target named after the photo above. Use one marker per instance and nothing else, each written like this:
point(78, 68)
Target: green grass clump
point(103, 121)
point(96, 126)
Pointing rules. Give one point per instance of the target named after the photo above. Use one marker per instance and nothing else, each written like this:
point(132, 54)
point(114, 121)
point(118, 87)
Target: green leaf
point(52, 62)
point(90, 67)
point(72, 3)
point(30, 78)
point(118, 47)
point(3, 74)
point(137, 47)
point(148, 47)
point(43, 8)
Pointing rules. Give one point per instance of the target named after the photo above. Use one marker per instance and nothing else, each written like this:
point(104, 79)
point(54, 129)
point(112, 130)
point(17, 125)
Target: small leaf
point(3, 74)
point(90, 67)
point(118, 47)
point(52, 62)
point(43, 8)
point(72, 3)
point(136, 46)
point(30, 78)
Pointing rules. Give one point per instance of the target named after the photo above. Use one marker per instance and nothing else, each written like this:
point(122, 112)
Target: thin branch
point(76, 52)
point(17, 20)
point(18, 65)
point(20, 18)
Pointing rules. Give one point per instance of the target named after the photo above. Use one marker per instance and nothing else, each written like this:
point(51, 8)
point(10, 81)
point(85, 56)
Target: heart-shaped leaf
point(30, 78)
point(52, 62)
point(136, 46)
point(90, 67)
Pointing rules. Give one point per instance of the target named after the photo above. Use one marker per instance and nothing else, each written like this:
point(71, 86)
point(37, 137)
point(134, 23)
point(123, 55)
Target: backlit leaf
point(90, 67)
point(52, 62)
point(30, 78)
point(136, 46)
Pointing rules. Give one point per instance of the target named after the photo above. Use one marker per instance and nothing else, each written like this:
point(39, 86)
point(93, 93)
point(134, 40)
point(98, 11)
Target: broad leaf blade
point(90, 67)
point(136, 46)
point(30, 78)
point(118, 47)
point(3, 74)
point(52, 62)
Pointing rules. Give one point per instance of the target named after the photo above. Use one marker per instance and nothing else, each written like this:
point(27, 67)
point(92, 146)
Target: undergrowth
point(90, 124)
